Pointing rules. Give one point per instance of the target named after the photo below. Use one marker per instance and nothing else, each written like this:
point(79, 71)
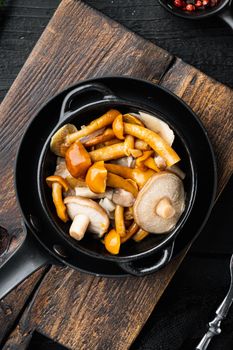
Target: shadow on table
point(40, 341)
point(179, 320)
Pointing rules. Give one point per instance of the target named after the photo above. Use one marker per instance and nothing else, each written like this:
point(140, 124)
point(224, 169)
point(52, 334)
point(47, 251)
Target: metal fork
point(221, 313)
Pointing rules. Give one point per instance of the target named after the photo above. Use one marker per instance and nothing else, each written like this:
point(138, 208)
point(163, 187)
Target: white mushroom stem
point(79, 226)
point(99, 221)
point(165, 209)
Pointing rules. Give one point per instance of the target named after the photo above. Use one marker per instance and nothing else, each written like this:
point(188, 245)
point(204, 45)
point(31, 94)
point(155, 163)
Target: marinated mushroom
point(108, 152)
point(87, 193)
point(157, 125)
point(58, 184)
point(96, 219)
point(112, 242)
point(96, 177)
point(130, 232)
point(78, 159)
point(117, 178)
point(160, 203)
point(119, 220)
point(130, 118)
point(117, 181)
point(96, 124)
point(129, 162)
point(140, 235)
point(108, 206)
point(139, 176)
point(142, 145)
point(118, 127)
point(160, 162)
point(61, 168)
point(150, 163)
point(58, 143)
point(123, 197)
point(128, 144)
point(154, 140)
point(107, 135)
point(140, 161)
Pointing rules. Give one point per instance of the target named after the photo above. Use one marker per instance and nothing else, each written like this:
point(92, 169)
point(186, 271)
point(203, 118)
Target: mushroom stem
point(164, 209)
point(79, 226)
point(58, 201)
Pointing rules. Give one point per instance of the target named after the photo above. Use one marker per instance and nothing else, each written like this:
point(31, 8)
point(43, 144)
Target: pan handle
point(27, 258)
point(66, 111)
point(227, 16)
point(138, 271)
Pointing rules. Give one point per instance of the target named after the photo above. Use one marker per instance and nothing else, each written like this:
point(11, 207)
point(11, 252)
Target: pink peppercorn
point(190, 7)
point(198, 3)
point(178, 3)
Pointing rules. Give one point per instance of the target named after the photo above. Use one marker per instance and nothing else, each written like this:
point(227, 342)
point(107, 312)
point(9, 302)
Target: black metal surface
point(49, 232)
point(25, 260)
point(140, 270)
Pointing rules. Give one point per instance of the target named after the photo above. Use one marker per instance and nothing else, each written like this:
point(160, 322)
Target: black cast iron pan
point(222, 10)
point(46, 238)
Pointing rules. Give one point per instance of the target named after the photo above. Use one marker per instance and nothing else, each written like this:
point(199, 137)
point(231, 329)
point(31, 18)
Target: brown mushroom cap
point(160, 203)
point(99, 221)
point(58, 141)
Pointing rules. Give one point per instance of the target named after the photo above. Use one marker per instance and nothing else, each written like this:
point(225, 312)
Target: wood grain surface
point(12, 306)
point(213, 103)
point(78, 310)
point(207, 44)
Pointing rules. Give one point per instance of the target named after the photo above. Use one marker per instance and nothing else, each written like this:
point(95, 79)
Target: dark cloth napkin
point(199, 286)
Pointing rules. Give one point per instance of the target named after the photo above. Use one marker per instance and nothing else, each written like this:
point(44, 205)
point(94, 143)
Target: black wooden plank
point(207, 45)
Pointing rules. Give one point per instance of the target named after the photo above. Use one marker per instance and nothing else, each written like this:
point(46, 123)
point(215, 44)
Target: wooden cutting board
point(78, 310)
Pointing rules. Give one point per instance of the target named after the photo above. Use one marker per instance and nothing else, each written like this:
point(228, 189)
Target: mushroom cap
point(159, 186)
point(157, 125)
point(61, 168)
point(123, 197)
point(99, 221)
point(57, 144)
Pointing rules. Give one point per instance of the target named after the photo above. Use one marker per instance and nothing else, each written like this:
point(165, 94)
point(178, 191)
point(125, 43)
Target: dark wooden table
point(59, 302)
point(207, 45)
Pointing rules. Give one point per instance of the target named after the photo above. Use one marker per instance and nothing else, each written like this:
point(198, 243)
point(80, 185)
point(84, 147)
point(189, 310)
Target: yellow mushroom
point(118, 127)
point(154, 140)
point(128, 145)
point(108, 153)
point(139, 176)
point(136, 153)
point(140, 235)
point(117, 181)
point(107, 135)
point(129, 118)
point(112, 242)
point(140, 161)
point(119, 220)
point(96, 177)
point(96, 124)
point(142, 145)
point(150, 163)
point(77, 159)
point(58, 184)
point(130, 232)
